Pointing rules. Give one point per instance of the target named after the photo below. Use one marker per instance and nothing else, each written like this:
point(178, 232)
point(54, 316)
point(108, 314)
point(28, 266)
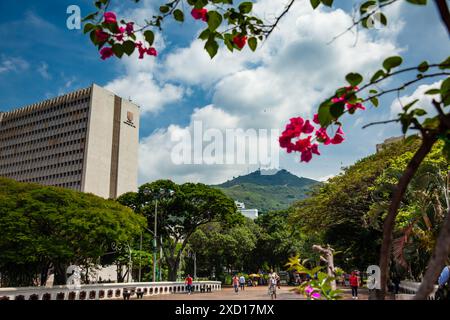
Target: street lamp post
point(154, 240)
point(157, 196)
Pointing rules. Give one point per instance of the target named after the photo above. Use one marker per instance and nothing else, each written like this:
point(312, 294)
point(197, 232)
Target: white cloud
point(419, 94)
point(143, 90)
point(288, 76)
point(42, 69)
point(11, 64)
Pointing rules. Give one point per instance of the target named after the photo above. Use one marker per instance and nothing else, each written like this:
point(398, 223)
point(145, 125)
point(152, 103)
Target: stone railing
point(409, 288)
point(103, 291)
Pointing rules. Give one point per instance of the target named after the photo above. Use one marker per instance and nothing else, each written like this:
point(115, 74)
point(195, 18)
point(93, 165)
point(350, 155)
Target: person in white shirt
point(242, 282)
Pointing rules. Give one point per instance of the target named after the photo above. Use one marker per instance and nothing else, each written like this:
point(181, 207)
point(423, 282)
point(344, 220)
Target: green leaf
point(337, 109)
point(315, 3)
point(164, 9)
point(178, 15)
point(149, 37)
point(211, 46)
point(377, 75)
point(128, 47)
point(252, 43)
point(374, 101)
point(409, 105)
point(419, 112)
point(445, 64)
point(325, 117)
point(433, 91)
point(118, 50)
point(89, 17)
point(419, 2)
point(392, 62)
point(423, 67)
point(354, 79)
point(88, 27)
point(328, 3)
point(445, 92)
point(214, 20)
point(205, 34)
point(245, 7)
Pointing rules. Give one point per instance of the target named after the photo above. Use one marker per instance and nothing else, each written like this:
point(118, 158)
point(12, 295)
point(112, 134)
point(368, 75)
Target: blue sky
point(40, 58)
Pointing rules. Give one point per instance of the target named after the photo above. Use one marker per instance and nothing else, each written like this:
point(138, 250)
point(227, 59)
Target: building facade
point(249, 213)
point(86, 140)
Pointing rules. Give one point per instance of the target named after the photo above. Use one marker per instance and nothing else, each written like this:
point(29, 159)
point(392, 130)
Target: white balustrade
point(103, 291)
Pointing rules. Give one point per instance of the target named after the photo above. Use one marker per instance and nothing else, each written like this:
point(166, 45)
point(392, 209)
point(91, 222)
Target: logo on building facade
point(130, 119)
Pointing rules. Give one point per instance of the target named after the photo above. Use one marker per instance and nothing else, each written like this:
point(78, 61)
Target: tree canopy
point(51, 228)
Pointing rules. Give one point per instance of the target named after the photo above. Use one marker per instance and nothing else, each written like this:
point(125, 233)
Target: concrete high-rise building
point(86, 140)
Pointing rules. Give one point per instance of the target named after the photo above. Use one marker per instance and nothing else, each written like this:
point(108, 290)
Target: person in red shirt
point(188, 281)
point(354, 284)
point(236, 283)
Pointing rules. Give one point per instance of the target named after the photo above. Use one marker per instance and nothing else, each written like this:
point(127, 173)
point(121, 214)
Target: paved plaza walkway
point(250, 293)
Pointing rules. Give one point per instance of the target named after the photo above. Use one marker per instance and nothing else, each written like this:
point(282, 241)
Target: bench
point(205, 288)
point(128, 292)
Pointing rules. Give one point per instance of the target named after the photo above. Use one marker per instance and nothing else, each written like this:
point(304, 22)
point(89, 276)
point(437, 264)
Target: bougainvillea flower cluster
point(200, 14)
point(344, 98)
point(297, 127)
point(121, 34)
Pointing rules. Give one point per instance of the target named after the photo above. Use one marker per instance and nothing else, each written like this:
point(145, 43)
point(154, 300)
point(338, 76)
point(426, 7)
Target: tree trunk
point(389, 222)
point(437, 261)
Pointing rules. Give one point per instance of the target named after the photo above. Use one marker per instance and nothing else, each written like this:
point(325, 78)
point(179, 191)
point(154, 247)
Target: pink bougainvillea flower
point(110, 17)
point(119, 36)
point(307, 127)
point(240, 41)
point(339, 131)
point(101, 36)
point(303, 144)
point(141, 49)
point(106, 52)
point(316, 119)
point(309, 290)
point(152, 52)
point(355, 106)
point(337, 139)
point(129, 28)
point(306, 156)
point(337, 100)
point(322, 136)
point(200, 14)
point(315, 295)
point(315, 149)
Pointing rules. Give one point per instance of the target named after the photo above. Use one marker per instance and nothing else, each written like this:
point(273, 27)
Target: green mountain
point(267, 192)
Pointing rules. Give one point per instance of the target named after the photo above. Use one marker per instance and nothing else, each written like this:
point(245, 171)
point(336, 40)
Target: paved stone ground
point(250, 293)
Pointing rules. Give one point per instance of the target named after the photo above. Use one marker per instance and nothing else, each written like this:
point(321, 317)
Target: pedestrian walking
point(242, 282)
point(443, 291)
point(354, 284)
point(236, 283)
point(273, 286)
point(188, 282)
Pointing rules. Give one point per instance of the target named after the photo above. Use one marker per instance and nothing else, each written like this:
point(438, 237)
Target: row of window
point(40, 140)
point(50, 177)
point(34, 160)
point(45, 111)
point(72, 184)
point(18, 134)
point(52, 156)
point(44, 168)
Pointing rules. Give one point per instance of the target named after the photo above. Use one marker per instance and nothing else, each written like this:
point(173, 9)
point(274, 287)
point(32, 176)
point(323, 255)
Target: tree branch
point(437, 261)
point(444, 13)
point(278, 19)
point(380, 122)
point(389, 222)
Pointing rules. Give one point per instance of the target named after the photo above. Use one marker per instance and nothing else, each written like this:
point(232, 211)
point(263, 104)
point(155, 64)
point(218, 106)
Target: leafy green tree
point(47, 228)
point(181, 209)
